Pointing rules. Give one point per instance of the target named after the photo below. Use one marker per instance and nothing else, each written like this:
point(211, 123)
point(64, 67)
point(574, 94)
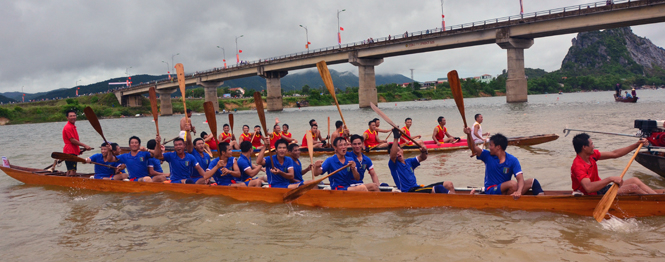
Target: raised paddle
point(390, 122)
point(167, 141)
point(456, 89)
point(327, 80)
point(92, 118)
point(153, 105)
point(328, 130)
point(73, 158)
point(607, 200)
point(180, 69)
point(209, 110)
point(310, 148)
point(297, 192)
point(258, 101)
point(231, 122)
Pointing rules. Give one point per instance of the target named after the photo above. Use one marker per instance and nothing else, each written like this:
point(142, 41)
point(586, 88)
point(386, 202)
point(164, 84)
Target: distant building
point(428, 85)
point(486, 78)
point(239, 89)
point(442, 80)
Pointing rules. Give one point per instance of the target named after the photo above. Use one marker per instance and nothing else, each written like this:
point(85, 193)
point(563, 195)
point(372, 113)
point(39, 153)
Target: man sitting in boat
point(248, 171)
point(210, 141)
point(136, 161)
point(275, 135)
point(154, 164)
point(403, 141)
point(377, 122)
point(227, 137)
point(280, 175)
point(500, 167)
point(363, 163)
point(224, 169)
point(340, 131)
point(478, 135)
point(441, 134)
point(257, 138)
point(246, 136)
point(183, 165)
point(286, 135)
point(102, 172)
point(298, 172)
point(584, 171)
point(628, 95)
point(317, 135)
point(403, 174)
point(371, 137)
point(202, 157)
point(314, 128)
point(343, 179)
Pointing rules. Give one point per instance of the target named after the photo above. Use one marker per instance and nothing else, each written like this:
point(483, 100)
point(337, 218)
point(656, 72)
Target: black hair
point(500, 140)
point(245, 126)
point(222, 147)
point(245, 146)
point(203, 135)
point(580, 141)
point(225, 125)
point(375, 119)
point(314, 125)
point(407, 119)
point(281, 141)
point(189, 110)
point(370, 123)
point(134, 137)
point(197, 140)
point(285, 125)
point(337, 139)
point(292, 146)
point(354, 137)
point(114, 146)
point(103, 144)
point(178, 139)
point(438, 120)
point(70, 111)
point(151, 144)
point(257, 126)
point(339, 124)
point(476, 117)
point(311, 121)
point(276, 125)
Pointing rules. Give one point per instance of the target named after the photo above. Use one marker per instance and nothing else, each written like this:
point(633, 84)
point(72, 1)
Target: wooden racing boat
point(553, 201)
point(625, 100)
point(432, 147)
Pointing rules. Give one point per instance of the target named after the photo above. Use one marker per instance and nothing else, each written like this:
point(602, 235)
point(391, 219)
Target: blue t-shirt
point(222, 180)
point(204, 161)
point(102, 171)
point(276, 180)
point(181, 168)
point(496, 173)
point(156, 164)
point(297, 170)
point(403, 174)
point(244, 164)
point(363, 166)
point(342, 178)
point(137, 166)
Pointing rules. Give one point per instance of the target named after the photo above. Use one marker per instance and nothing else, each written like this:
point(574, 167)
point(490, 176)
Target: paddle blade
point(153, 105)
point(94, 121)
point(607, 200)
point(209, 109)
point(327, 79)
point(258, 101)
point(231, 122)
point(297, 192)
point(456, 89)
point(382, 115)
point(67, 157)
point(180, 69)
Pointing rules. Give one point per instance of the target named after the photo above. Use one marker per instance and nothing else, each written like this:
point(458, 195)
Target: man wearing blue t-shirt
point(224, 169)
point(201, 156)
point(248, 171)
point(500, 167)
point(363, 163)
point(281, 174)
point(298, 172)
point(154, 164)
point(136, 161)
point(402, 170)
point(183, 165)
point(341, 180)
point(102, 172)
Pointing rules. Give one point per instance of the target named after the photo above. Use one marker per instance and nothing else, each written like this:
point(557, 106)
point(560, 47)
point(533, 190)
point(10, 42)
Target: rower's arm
point(434, 135)
point(253, 171)
point(375, 178)
point(157, 152)
point(472, 145)
point(383, 130)
point(393, 150)
point(260, 160)
point(200, 170)
point(236, 171)
point(152, 172)
point(213, 170)
point(316, 170)
point(621, 151)
point(591, 187)
point(78, 143)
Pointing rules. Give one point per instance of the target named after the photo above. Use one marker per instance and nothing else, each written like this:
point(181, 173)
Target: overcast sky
point(50, 44)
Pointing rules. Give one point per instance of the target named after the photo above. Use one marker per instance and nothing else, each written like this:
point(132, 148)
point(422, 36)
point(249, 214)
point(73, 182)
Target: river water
point(40, 223)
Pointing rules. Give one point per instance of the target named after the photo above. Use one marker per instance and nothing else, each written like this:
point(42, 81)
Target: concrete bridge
point(514, 34)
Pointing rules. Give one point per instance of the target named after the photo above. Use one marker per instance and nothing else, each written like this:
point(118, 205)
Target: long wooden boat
point(625, 100)
point(431, 146)
point(553, 201)
point(652, 160)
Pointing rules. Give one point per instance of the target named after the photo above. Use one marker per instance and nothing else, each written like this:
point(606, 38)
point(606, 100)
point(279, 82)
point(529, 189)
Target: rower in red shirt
point(314, 128)
point(403, 141)
point(227, 137)
point(371, 137)
point(286, 135)
point(275, 135)
point(209, 140)
point(441, 134)
point(257, 137)
point(71, 138)
point(245, 136)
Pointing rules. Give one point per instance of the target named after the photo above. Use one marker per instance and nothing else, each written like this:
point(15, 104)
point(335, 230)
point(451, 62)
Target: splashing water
point(616, 224)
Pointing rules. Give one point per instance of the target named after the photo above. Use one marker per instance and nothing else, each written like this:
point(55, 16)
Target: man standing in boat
point(500, 167)
point(363, 163)
point(136, 161)
point(440, 133)
point(343, 179)
point(183, 123)
point(371, 137)
point(71, 138)
point(584, 171)
point(340, 131)
point(478, 134)
point(280, 175)
point(403, 141)
point(402, 170)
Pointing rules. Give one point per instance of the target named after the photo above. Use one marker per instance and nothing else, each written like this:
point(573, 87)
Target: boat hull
point(625, 100)
point(553, 201)
point(653, 162)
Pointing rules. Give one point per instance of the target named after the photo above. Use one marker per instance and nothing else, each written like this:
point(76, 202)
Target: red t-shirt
point(403, 139)
point(274, 138)
point(441, 133)
point(371, 139)
point(286, 134)
point(581, 170)
point(256, 140)
point(212, 143)
point(69, 131)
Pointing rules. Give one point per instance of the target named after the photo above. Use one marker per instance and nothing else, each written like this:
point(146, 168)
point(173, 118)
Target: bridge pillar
point(132, 100)
point(516, 84)
point(367, 79)
point(274, 87)
point(165, 106)
point(210, 89)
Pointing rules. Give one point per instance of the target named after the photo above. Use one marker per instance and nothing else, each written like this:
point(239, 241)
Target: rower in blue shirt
point(201, 156)
point(402, 170)
point(224, 169)
point(102, 172)
point(136, 161)
point(363, 163)
point(154, 164)
point(248, 171)
point(182, 164)
point(298, 172)
point(343, 179)
point(281, 174)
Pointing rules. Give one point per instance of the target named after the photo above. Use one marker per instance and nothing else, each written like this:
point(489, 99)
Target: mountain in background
point(5, 99)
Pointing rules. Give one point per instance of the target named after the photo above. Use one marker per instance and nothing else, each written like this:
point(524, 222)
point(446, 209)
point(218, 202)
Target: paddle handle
point(310, 148)
point(637, 151)
point(180, 69)
point(330, 174)
point(231, 122)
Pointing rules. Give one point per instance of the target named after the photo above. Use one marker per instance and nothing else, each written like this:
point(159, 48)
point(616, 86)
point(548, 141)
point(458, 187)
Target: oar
point(390, 122)
point(607, 200)
point(153, 104)
point(297, 192)
point(231, 122)
point(168, 141)
point(60, 161)
point(327, 79)
point(73, 158)
point(567, 132)
point(456, 89)
point(328, 130)
point(310, 148)
point(209, 109)
point(180, 69)
point(262, 117)
point(92, 118)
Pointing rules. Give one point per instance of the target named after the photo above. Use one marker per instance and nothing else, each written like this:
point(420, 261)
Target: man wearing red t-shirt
point(71, 138)
point(584, 172)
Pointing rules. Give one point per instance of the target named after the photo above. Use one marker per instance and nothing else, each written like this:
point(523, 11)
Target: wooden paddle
point(456, 88)
point(607, 200)
point(310, 148)
point(297, 192)
point(180, 69)
point(327, 80)
point(153, 104)
point(328, 130)
point(262, 117)
point(231, 122)
point(168, 141)
point(92, 118)
point(209, 109)
point(73, 158)
point(60, 161)
point(390, 122)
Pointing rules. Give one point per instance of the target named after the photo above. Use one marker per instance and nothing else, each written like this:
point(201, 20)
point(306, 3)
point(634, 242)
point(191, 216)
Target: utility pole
point(413, 83)
point(443, 21)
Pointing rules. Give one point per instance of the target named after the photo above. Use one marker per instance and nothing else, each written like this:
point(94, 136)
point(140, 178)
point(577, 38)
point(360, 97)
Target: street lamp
point(126, 70)
point(306, 36)
point(238, 54)
point(224, 54)
point(339, 36)
point(443, 22)
point(23, 94)
point(168, 68)
point(172, 59)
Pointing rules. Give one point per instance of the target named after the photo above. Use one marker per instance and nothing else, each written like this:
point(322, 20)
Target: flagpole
point(339, 35)
point(443, 21)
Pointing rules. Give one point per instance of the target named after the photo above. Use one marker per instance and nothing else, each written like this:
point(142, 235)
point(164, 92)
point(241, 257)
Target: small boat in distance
point(625, 100)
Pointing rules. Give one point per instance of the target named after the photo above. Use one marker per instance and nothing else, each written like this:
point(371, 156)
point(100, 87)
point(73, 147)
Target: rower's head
point(498, 144)
point(225, 150)
point(285, 128)
point(372, 125)
point(189, 112)
point(357, 143)
point(116, 148)
point(277, 129)
point(582, 143)
point(312, 122)
point(294, 150)
point(377, 122)
point(245, 129)
point(400, 152)
point(204, 134)
point(71, 116)
point(179, 145)
point(199, 144)
point(105, 148)
point(339, 144)
point(479, 118)
point(134, 143)
point(245, 146)
point(441, 120)
point(408, 122)
point(281, 146)
point(226, 128)
point(151, 144)
point(314, 128)
point(257, 129)
point(339, 124)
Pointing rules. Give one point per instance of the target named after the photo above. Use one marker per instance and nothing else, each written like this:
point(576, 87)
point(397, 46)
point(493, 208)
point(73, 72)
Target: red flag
point(341, 28)
point(309, 43)
point(443, 16)
point(237, 58)
point(240, 51)
point(339, 38)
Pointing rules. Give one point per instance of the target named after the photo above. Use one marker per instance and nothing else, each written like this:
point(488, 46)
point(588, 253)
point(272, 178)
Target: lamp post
point(443, 22)
point(306, 37)
point(237, 54)
point(224, 55)
point(76, 84)
point(168, 68)
point(23, 94)
point(339, 36)
point(172, 59)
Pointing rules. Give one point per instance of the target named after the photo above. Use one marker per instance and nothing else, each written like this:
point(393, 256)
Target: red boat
point(625, 100)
